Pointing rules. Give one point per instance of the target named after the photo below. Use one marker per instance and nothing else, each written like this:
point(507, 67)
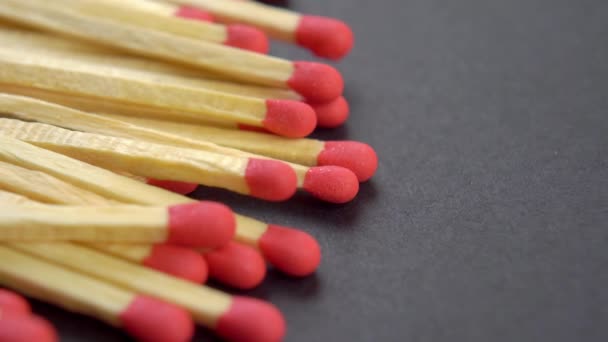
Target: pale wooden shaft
point(43, 187)
point(127, 223)
point(242, 65)
point(65, 288)
point(141, 158)
point(134, 252)
point(59, 73)
point(129, 12)
point(277, 22)
point(14, 199)
point(205, 304)
point(31, 109)
point(300, 151)
point(86, 176)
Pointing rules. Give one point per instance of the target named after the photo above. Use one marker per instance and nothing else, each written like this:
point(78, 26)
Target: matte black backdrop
point(487, 219)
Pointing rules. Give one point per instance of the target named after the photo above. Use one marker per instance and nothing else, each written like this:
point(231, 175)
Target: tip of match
point(193, 13)
point(150, 319)
point(250, 319)
point(292, 119)
point(236, 265)
point(290, 250)
point(202, 224)
point(331, 114)
point(180, 262)
point(181, 188)
point(247, 38)
point(333, 184)
point(356, 156)
point(270, 180)
point(13, 303)
point(26, 328)
point(325, 37)
point(316, 82)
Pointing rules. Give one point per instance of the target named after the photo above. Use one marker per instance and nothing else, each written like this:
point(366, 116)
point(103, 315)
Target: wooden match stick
point(232, 317)
point(353, 155)
point(201, 224)
point(325, 37)
point(315, 81)
point(143, 317)
point(82, 75)
point(262, 178)
point(178, 261)
point(329, 183)
point(164, 18)
point(168, 9)
point(290, 250)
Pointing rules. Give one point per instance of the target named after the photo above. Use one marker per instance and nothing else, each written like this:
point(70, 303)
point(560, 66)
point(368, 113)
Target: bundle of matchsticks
point(112, 111)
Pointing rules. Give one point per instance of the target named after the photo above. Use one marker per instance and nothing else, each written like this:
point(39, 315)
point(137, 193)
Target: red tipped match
point(193, 13)
point(236, 265)
point(151, 320)
point(325, 37)
point(290, 250)
point(13, 303)
point(201, 224)
point(181, 188)
point(333, 184)
point(292, 119)
point(247, 38)
point(180, 262)
point(26, 329)
point(331, 114)
point(271, 180)
point(316, 82)
point(251, 320)
point(358, 157)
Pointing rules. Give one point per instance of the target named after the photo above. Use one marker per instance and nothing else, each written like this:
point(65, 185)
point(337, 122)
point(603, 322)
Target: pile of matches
point(112, 112)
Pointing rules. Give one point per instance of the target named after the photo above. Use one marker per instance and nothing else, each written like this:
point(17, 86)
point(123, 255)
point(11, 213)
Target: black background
point(487, 219)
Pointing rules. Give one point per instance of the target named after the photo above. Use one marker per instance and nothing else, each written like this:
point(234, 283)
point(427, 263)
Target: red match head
point(252, 320)
point(151, 320)
point(236, 265)
point(333, 184)
point(325, 37)
point(316, 82)
point(181, 262)
point(178, 187)
point(13, 303)
point(201, 224)
point(292, 119)
point(247, 38)
point(358, 157)
point(193, 13)
point(292, 251)
point(271, 180)
point(26, 329)
point(331, 114)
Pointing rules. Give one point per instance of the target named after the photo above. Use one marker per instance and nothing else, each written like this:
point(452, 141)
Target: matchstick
point(200, 224)
point(314, 81)
point(84, 76)
point(168, 9)
point(329, 183)
point(144, 15)
point(237, 265)
point(13, 304)
point(232, 317)
point(261, 178)
point(353, 155)
point(28, 328)
point(325, 37)
point(143, 317)
point(290, 250)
